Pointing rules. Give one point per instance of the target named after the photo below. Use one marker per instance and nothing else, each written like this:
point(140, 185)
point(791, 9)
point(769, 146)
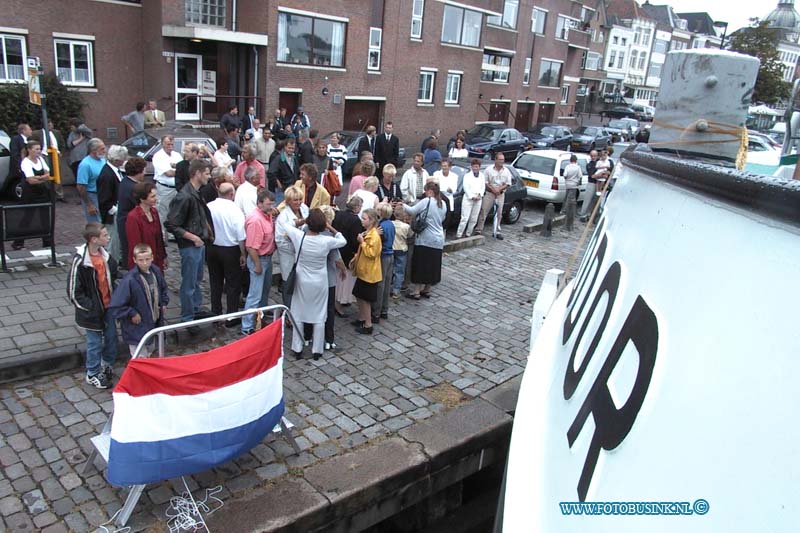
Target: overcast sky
point(735, 12)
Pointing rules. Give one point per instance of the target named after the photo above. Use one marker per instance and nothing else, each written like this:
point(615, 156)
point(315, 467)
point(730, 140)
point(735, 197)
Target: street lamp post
point(721, 24)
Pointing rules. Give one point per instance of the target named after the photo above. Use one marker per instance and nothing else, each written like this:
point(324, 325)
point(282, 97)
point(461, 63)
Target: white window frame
point(452, 96)
point(646, 34)
point(535, 14)
point(650, 73)
point(4, 78)
point(417, 11)
point(642, 60)
point(612, 57)
point(500, 73)
point(564, 94)
point(593, 61)
point(569, 23)
point(560, 72)
point(206, 12)
point(90, 57)
point(432, 75)
point(526, 73)
point(501, 21)
point(621, 60)
point(461, 33)
point(374, 49)
point(633, 59)
point(283, 30)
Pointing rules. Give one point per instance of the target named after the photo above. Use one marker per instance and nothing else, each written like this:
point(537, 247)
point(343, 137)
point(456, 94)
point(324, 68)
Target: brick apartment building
point(418, 63)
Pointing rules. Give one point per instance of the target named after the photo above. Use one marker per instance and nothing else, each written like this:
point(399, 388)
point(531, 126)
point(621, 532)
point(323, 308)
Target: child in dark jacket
point(140, 300)
point(89, 288)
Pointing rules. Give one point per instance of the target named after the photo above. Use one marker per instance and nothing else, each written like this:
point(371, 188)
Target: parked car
point(645, 112)
point(587, 138)
point(621, 111)
point(146, 143)
point(545, 135)
point(350, 139)
point(542, 172)
point(514, 201)
point(635, 124)
point(5, 164)
point(761, 150)
point(485, 140)
point(620, 130)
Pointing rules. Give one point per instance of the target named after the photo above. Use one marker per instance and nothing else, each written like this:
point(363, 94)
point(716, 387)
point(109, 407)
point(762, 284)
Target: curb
point(532, 228)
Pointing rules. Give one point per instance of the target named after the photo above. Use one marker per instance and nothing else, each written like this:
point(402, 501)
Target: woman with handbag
point(293, 215)
point(310, 270)
point(367, 268)
point(348, 222)
point(426, 263)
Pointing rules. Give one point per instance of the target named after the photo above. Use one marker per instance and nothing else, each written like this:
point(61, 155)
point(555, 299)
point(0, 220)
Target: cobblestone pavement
point(471, 336)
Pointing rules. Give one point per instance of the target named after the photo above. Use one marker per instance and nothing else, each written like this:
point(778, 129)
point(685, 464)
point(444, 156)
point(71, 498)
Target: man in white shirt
point(448, 181)
point(572, 181)
point(474, 186)
point(413, 181)
point(498, 179)
point(265, 145)
point(226, 256)
point(247, 194)
point(164, 163)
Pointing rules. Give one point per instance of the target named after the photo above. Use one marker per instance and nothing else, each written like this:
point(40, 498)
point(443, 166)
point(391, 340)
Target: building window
point(461, 26)
point(416, 18)
point(538, 18)
point(509, 18)
point(615, 40)
point(592, 61)
point(549, 73)
point(495, 67)
point(620, 60)
point(634, 55)
point(660, 46)
point(587, 14)
point(206, 12)
point(375, 39)
point(310, 41)
point(624, 41)
point(564, 94)
point(74, 62)
point(526, 74)
point(642, 60)
point(677, 45)
point(611, 57)
point(452, 91)
point(563, 25)
point(646, 38)
point(637, 35)
point(655, 71)
point(425, 90)
point(12, 58)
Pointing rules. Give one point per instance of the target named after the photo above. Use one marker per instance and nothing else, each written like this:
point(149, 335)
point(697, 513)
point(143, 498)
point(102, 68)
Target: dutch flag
point(182, 415)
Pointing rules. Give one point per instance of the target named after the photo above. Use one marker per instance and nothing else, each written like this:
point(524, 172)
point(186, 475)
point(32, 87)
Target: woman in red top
point(143, 225)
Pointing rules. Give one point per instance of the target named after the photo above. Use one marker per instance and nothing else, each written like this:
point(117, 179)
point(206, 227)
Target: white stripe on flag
point(159, 417)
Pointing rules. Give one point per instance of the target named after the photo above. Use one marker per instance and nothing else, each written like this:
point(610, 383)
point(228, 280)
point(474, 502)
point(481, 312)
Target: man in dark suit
point(108, 194)
point(17, 149)
point(247, 120)
point(283, 170)
point(387, 148)
point(367, 143)
point(305, 149)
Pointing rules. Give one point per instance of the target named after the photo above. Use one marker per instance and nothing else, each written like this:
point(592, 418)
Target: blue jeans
point(260, 284)
point(101, 346)
point(192, 259)
point(278, 195)
point(92, 197)
point(399, 270)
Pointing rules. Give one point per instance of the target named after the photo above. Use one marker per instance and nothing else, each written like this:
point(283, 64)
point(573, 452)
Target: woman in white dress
point(221, 158)
point(310, 299)
point(459, 150)
point(293, 215)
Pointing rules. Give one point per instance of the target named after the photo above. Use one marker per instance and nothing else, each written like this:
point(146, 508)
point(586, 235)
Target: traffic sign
point(34, 89)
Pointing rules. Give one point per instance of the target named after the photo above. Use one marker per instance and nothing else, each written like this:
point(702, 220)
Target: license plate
point(531, 183)
point(576, 145)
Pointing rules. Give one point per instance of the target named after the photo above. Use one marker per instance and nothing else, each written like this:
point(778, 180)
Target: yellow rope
point(738, 134)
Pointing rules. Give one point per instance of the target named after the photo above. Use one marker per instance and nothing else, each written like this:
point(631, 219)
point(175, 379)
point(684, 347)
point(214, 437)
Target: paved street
point(471, 336)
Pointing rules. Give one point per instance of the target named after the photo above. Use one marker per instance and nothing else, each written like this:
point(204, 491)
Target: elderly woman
point(389, 189)
point(310, 299)
point(367, 194)
point(349, 224)
point(142, 226)
point(314, 194)
point(334, 263)
point(293, 215)
point(426, 263)
point(367, 267)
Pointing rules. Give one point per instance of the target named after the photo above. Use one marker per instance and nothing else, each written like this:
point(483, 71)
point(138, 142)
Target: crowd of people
point(266, 191)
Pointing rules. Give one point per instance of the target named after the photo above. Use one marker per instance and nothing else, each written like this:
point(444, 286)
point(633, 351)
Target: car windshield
point(619, 124)
point(585, 130)
point(549, 131)
point(632, 121)
point(140, 144)
point(581, 163)
point(487, 132)
point(536, 163)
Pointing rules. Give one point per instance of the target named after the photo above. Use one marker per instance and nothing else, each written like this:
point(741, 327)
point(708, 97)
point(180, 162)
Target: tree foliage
point(62, 104)
point(761, 41)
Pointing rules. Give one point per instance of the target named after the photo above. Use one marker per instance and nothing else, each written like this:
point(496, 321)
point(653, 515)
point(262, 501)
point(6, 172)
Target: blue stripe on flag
point(136, 463)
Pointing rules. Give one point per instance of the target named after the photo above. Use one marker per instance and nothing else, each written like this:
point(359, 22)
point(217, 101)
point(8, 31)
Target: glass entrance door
point(188, 86)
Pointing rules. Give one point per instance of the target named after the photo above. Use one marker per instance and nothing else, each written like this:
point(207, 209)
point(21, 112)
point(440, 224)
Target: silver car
point(5, 162)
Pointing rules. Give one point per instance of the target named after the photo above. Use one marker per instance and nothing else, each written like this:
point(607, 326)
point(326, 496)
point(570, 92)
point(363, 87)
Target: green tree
point(761, 41)
point(62, 105)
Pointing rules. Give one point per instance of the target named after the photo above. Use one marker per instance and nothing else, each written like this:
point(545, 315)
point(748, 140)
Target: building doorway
point(498, 112)
point(358, 114)
point(289, 100)
point(522, 120)
point(188, 86)
point(546, 112)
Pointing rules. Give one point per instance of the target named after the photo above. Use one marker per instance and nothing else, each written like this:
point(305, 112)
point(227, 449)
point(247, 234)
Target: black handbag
point(291, 279)
point(420, 221)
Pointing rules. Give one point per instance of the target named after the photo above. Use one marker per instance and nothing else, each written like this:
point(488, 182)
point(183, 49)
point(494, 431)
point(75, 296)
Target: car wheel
point(16, 190)
point(514, 212)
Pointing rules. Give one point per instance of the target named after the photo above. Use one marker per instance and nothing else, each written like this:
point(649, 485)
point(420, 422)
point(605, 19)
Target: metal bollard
point(547, 223)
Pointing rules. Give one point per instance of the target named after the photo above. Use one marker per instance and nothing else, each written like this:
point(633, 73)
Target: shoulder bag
point(291, 279)
point(420, 221)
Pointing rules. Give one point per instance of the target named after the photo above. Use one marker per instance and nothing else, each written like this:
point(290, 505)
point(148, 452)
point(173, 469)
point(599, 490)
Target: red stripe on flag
point(206, 371)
